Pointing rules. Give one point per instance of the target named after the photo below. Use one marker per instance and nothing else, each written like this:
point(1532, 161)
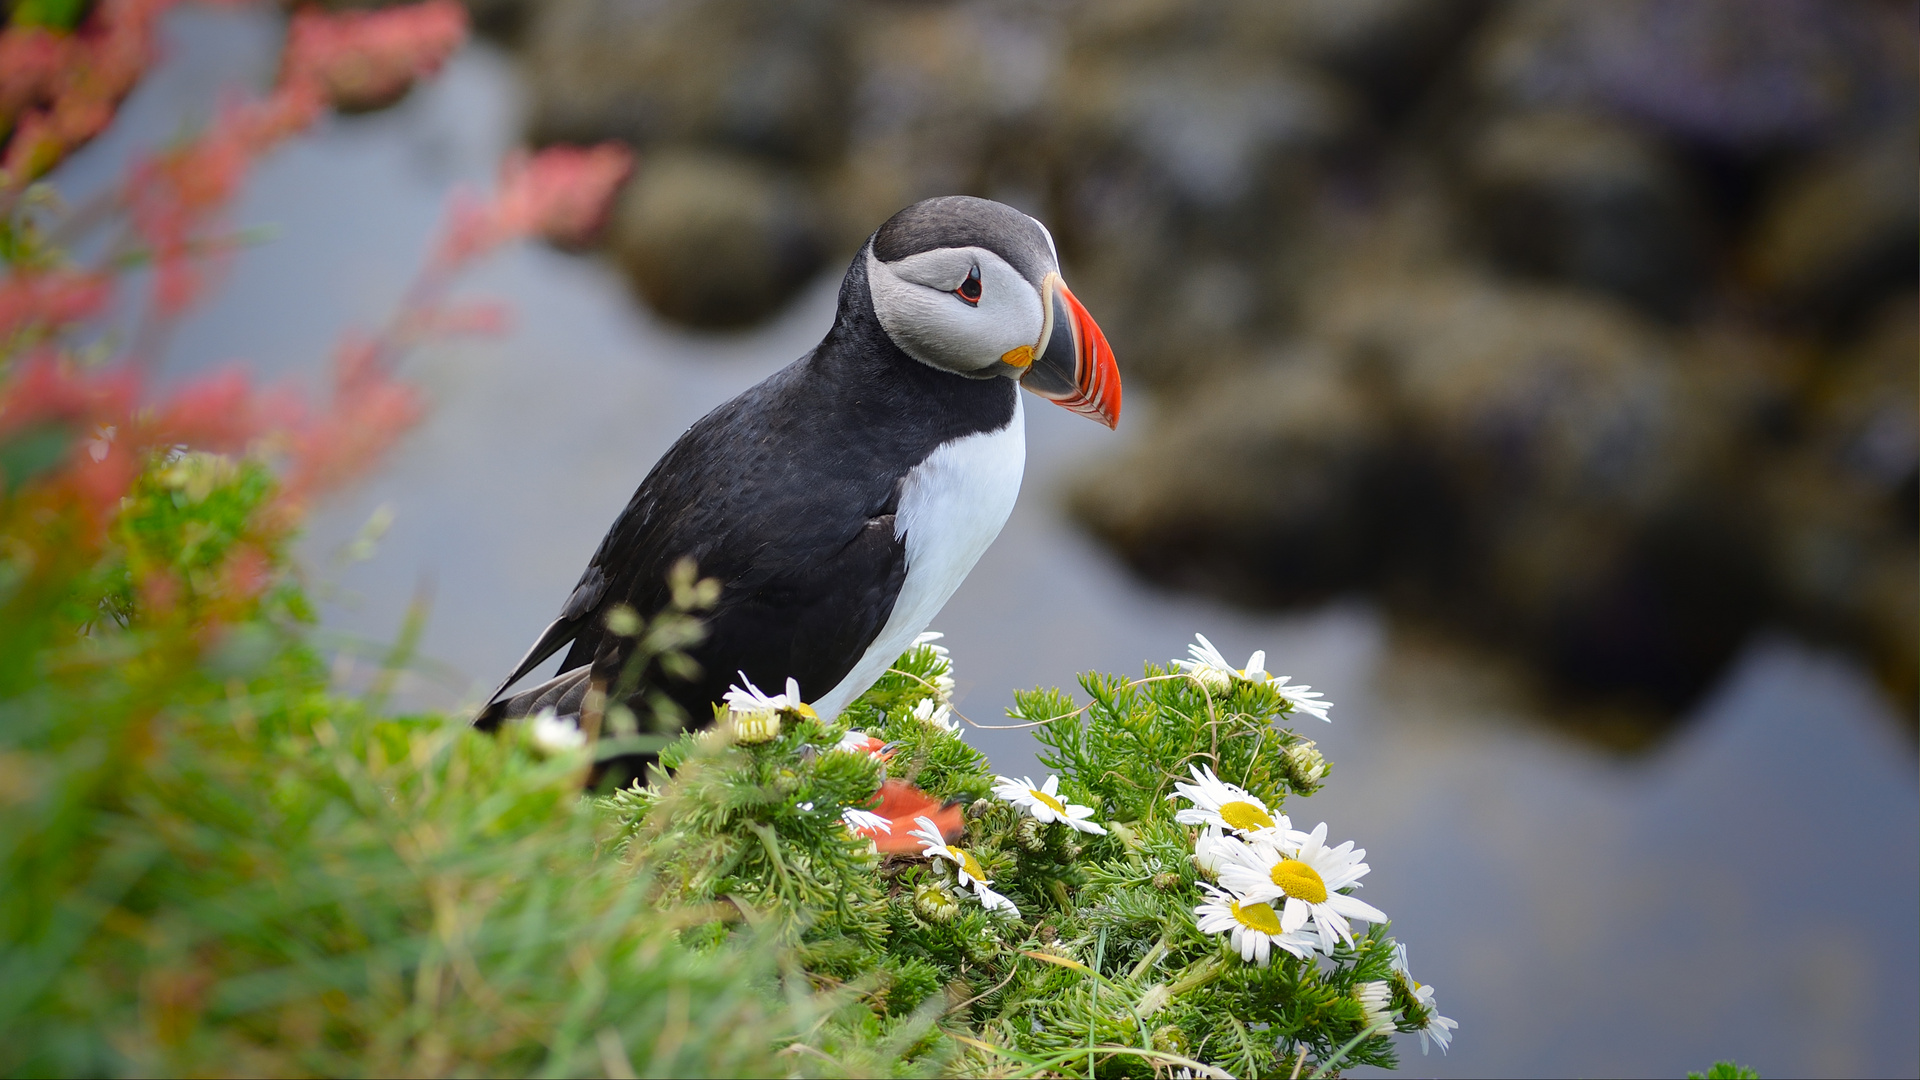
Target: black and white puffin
point(840, 502)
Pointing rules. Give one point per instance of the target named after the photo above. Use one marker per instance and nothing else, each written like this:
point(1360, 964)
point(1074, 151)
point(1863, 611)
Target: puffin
point(840, 502)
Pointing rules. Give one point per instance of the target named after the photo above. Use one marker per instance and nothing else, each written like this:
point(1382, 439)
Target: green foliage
point(214, 864)
point(52, 14)
point(1725, 1070)
point(1103, 970)
point(217, 863)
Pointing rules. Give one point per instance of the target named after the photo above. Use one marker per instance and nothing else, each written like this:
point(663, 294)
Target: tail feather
point(565, 694)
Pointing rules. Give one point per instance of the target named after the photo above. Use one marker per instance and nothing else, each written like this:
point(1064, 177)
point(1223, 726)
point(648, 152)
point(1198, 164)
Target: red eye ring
point(969, 289)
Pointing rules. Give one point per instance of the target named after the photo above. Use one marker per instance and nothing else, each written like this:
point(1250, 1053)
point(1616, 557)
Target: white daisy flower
point(1308, 878)
point(1376, 1002)
point(966, 867)
point(1228, 806)
point(935, 846)
point(858, 819)
point(859, 742)
point(1255, 926)
point(936, 713)
point(755, 715)
point(1043, 802)
point(1437, 1028)
point(993, 901)
point(552, 735)
point(928, 638)
point(943, 682)
point(1303, 698)
point(1214, 849)
point(1209, 667)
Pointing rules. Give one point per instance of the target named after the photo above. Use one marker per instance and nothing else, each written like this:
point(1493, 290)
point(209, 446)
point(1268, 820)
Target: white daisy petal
point(1304, 699)
point(1253, 927)
point(994, 901)
point(1216, 802)
point(1041, 802)
point(552, 735)
point(1376, 1002)
point(858, 819)
point(1302, 880)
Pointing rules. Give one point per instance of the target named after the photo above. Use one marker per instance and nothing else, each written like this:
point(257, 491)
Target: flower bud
point(1305, 767)
point(754, 726)
point(935, 902)
point(1027, 834)
point(1170, 1039)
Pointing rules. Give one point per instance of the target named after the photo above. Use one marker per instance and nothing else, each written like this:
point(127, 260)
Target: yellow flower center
point(1259, 917)
point(1047, 800)
point(968, 863)
point(1245, 815)
point(1300, 881)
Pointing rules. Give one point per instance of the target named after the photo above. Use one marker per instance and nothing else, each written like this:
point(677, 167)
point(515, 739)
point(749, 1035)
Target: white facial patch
point(915, 300)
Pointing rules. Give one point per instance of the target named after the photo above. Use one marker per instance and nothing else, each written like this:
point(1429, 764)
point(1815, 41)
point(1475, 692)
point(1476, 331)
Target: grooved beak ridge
point(1074, 367)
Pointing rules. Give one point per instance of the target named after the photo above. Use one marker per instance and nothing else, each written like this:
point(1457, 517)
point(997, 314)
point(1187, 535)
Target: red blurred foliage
point(367, 414)
point(50, 299)
point(56, 91)
point(366, 59)
point(562, 194)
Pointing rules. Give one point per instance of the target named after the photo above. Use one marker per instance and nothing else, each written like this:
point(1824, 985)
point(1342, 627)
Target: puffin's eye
point(969, 289)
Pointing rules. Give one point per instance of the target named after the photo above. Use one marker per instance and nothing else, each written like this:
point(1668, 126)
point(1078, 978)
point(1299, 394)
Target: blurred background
point(1537, 379)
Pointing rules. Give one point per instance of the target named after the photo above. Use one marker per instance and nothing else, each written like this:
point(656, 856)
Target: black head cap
point(963, 221)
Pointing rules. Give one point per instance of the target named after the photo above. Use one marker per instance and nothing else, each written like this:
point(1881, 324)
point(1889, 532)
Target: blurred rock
point(760, 76)
point(1264, 486)
point(1742, 75)
point(1837, 233)
point(1388, 50)
point(502, 19)
point(1846, 503)
point(1529, 464)
point(1588, 200)
point(1503, 312)
point(715, 240)
point(1187, 187)
point(947, 99)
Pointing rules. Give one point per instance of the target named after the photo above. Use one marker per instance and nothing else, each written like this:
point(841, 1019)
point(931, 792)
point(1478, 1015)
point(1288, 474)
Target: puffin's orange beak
point(1075, 367)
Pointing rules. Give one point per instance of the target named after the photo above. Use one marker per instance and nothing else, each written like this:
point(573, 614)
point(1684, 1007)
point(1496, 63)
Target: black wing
point(797, 526)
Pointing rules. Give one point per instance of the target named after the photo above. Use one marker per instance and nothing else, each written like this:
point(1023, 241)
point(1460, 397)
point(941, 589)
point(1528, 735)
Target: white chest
point(952, 505)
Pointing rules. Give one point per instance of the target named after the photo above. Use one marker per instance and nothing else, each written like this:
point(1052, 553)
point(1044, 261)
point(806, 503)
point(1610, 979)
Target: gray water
point(1748, 890)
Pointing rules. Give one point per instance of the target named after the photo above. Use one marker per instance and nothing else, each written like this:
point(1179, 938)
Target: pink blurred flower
point(220, 412)
point(32, 59)
point(562, 193)
point(174, 196)
point(62, 91)
point(366, 59)
point(368, 413)
point(43, 389)
point(50, 299)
